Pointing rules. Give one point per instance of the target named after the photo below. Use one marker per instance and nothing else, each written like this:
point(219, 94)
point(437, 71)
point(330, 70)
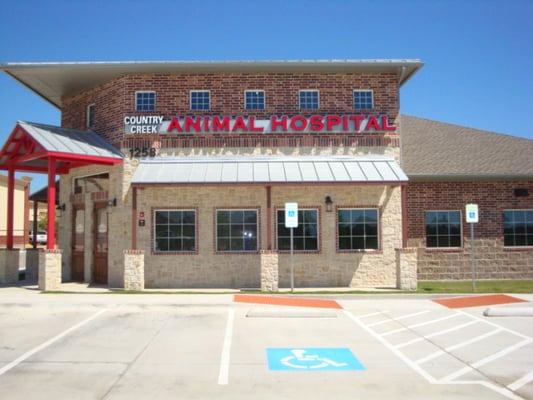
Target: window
point(309, 99)
point(200, 100)
point(305, 236)
point(518, 228)
point(254, 99)
point(90, 115)
point(363, 99)
point(443, 229)
point(174, 230)
point(145, 101)
point(236, 230)
point(358, 229)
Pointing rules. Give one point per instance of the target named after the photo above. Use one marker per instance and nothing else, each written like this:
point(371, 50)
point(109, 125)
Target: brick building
point(175, 174)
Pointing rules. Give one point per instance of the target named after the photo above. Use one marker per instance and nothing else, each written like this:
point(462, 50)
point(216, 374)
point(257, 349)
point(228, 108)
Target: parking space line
point(486, 360)
point(49, 342)
point(371, 314)
point(385, 343)
point(223, 375)
point(457, 346)
point(419, 324)
point(398, 318)
point(431, 335)
point(495, 325)
point(521, 381)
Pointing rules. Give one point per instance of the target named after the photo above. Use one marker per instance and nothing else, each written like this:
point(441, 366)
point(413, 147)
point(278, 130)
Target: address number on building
point(140, 152)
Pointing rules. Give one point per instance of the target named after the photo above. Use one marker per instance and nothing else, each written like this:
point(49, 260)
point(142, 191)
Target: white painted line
point(385, 343)
point(495, 325)
point(419, 324)
point(371, 314)
point(457, 346)
point(223, 374)
point(521, 382)
point(486, 360)
point(49, 342)
point(498, 389)
point(398, 318)
point(502, 390)
point(453, 328)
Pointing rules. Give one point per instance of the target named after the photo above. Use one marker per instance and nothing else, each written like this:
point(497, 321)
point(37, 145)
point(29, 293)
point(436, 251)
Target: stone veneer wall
point(119, 229)
point(208, 268)
point(493, 261)
point(231, 270)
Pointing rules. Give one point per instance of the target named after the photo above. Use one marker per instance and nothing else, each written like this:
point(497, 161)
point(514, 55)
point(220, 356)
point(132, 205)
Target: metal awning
point(272, 169)
point(30, 145)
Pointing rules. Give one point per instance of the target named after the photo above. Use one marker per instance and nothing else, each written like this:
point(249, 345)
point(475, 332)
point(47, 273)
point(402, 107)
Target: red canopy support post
point(35, 223)
point(10, 206)
point(51, 206)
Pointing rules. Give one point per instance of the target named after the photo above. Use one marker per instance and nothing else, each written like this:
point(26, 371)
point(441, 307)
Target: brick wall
point(492, 198)
point(494, 261)
point(116, 99)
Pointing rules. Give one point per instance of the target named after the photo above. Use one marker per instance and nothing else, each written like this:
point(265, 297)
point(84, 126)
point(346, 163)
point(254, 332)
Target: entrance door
point(78, 243)
point(100, 243)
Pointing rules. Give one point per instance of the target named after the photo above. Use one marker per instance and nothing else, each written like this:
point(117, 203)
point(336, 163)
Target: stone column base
point(9, 265)
point(406, 265)
point(133, 270)
point(49, 269)
point(269, 271)
point(32, 265)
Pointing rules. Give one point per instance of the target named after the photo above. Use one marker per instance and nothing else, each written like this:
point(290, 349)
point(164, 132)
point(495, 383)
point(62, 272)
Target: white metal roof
point(53, 80)
point(271, 169)
point(63, 140)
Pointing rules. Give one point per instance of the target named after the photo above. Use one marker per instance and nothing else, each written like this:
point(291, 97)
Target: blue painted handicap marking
point(313, 359)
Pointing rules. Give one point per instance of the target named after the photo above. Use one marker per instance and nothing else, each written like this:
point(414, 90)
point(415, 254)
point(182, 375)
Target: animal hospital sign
point(153, 124)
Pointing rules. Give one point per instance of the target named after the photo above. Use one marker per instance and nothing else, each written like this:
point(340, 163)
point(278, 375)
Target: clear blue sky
point(478, 54)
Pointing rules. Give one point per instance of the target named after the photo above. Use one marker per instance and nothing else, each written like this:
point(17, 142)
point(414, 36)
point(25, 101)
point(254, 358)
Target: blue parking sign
point(313, 359)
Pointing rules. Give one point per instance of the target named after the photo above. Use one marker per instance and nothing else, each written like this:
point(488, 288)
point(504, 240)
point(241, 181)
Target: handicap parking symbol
point(313, 359)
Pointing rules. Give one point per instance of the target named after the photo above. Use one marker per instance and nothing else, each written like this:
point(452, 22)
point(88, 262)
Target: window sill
point(299, 252)
point(444, 249)
point(517, 248)
point(231, 253)
point(369, 251)
point(174, 253)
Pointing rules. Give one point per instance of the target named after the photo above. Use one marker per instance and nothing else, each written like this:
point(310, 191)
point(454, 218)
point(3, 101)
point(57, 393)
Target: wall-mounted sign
point(141, 214)
point(142, 222)
point(153, 124)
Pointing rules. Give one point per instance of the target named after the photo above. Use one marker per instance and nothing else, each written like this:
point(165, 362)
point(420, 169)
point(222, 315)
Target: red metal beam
point(35, 222)
point(44, 170)
point(82, 157)
point(10, 206)
point(51, 234)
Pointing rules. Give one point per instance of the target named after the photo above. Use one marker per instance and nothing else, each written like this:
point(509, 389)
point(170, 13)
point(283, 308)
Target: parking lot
point(209, 346)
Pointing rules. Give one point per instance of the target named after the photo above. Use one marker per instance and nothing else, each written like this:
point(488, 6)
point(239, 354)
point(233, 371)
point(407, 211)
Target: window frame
point(154, 237)
point(88, 125)
point(258, 235)
point(137, 104)
point(436, 248)
point(264, 100)
point(514, 247)
point(318, 230)
point(362, 91)
point(300, 99)
point(379, 210)
point(199, 91)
